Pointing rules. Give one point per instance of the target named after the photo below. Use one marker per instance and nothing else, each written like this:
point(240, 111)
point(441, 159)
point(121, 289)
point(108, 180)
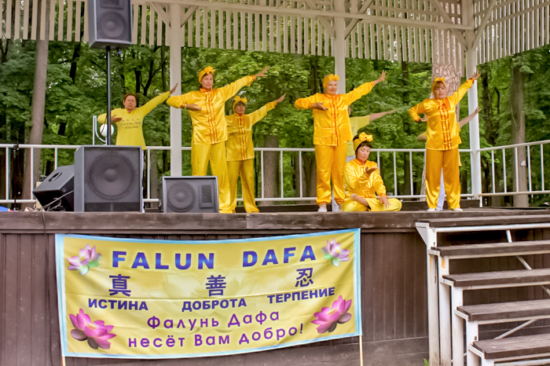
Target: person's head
point(206, 78)
point(130, 102)
point(362, 145)
point(330, 84)
point(439, 89)
point(239, 105)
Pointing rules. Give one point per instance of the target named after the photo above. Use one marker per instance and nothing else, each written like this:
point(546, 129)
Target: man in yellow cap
point(207, 110)
point(442, 141)
point(240, 150)
point(363, 181)
point(331, 133)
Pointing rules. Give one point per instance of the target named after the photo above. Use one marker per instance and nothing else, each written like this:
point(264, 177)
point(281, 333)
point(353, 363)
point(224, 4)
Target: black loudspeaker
point(110, 23)
point(108, 179)
point(189, 194)
point(56, 192)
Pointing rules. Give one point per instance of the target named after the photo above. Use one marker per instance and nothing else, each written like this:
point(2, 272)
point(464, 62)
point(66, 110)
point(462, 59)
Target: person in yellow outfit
point(207, 110)
point(129, 120)
point(442, 141)
point(362, 181)
point(422, 137)
point(240, 150)
point(332, 131)
point(357, 123)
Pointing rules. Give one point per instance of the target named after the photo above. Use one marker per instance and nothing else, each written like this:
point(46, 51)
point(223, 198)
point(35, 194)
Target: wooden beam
point(160, 11)
point(317, 13)
point(447, 20)
point(323, 20)
point(483, 24)
point(187, 15)
point(354, 22)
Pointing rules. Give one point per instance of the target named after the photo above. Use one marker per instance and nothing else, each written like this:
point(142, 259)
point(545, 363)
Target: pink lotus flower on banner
point(87, 258)
point(97, 333)
point(333, 251)
point(329, 318)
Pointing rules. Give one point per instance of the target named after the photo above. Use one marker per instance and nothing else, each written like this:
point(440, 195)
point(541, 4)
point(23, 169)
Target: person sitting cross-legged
point(362, 181)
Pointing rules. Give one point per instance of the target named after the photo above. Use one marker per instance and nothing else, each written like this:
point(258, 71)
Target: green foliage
point(76, 91)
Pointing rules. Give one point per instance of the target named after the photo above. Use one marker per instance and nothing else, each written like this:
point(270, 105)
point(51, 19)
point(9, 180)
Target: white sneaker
point(322, 208)
point(458, 209)
point(431, 210)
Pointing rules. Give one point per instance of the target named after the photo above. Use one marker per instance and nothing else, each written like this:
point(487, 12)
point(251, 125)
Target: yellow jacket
point(129, 129)
point(443, 131)
point(356, 124)
point(332, 127)
point(209, 125)
point(356, 181)
point(239, 143)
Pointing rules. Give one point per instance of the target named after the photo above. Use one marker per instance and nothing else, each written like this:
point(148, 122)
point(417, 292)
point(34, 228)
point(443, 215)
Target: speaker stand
point(108, 51)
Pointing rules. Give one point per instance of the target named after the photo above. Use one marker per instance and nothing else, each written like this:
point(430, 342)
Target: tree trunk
point(271, 169)
point(38, 105)
point(518, 132)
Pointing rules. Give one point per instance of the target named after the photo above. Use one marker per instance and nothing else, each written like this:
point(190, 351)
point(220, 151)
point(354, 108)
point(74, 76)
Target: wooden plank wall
point(393, 295)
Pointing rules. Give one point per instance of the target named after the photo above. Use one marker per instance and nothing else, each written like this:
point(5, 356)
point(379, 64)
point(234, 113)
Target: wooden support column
point(175, 77)
point(340, 47)
point(471, 66)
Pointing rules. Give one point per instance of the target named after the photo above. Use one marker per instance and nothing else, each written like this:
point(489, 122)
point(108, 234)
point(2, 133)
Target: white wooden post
point(433, 298)
point(444, 313)
point(340, 47)
point(175, 77)
point(471, 66)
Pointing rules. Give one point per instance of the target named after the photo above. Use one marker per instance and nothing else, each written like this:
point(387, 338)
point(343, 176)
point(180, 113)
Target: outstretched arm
point(364, 89)
point(459, 94)
point(150, 105)
point(464, 121)
point(374, 116)
point(261, 113)
point(309, 103)
point(102, 118)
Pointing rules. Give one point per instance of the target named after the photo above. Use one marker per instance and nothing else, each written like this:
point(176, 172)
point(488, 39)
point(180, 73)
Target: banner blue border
point(60, 272)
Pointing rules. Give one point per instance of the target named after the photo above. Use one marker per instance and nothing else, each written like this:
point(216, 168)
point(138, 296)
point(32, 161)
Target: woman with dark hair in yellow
point(362, 181)
point(129, 120)
point(331, 133)
point(240, 150)
point(442, 141)
point(207, 110)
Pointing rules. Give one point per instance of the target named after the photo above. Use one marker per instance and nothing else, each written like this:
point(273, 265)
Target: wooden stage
point(394, 294)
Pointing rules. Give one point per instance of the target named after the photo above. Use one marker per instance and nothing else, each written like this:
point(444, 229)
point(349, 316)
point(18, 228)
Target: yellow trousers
point(217, 156)
point(330, 162)
point(244, 169)
point(374, 205)
point(448, 160)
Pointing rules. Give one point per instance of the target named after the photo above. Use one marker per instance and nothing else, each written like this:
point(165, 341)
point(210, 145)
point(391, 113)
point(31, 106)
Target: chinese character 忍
point(304, 277)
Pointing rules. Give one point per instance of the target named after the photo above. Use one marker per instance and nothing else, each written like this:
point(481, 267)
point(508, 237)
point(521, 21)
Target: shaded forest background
point(512, 92)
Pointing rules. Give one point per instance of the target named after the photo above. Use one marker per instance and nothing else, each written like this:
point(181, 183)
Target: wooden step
point(488, 221)
point(493, 249)
point(494, 349)
point(506, 310)
point(499, 279)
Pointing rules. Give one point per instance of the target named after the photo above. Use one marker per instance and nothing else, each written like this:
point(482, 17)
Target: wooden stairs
point(453, 326)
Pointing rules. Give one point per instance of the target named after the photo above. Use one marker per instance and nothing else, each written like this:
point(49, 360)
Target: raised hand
point(173, 89)
point(381, 78)
point(263, 73)
point(281, 98)
point(193, 107)
point(476, 75)
point(319, 106)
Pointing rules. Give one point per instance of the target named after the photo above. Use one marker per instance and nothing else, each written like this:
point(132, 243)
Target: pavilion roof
point(396, 30)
